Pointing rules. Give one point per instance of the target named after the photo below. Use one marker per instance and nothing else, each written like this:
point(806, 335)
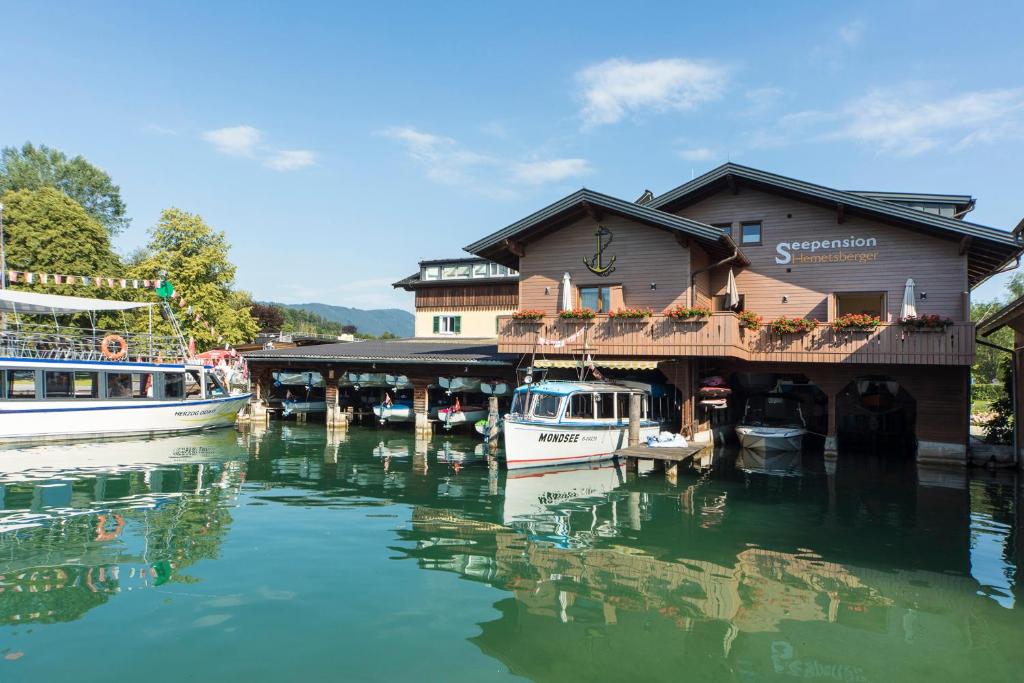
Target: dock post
point(421, 407)
point(634, 420)
point(492, 423)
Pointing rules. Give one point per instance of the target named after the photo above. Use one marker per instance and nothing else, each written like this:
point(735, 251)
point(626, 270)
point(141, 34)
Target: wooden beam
point(515, 247)
point(840, 213)
point(965, 244)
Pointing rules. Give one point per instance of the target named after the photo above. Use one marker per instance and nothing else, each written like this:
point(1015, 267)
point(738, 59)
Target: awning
point(31, 303)
point(608, 364)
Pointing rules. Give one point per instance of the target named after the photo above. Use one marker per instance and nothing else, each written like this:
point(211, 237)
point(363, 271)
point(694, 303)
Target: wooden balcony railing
point(721, 336)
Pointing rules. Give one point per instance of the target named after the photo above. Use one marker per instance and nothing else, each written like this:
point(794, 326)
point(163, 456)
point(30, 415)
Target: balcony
point(721, 336)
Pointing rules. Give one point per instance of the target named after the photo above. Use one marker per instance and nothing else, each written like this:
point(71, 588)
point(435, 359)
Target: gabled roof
point(496, 246)
point(1010, 314)
point(988, 248)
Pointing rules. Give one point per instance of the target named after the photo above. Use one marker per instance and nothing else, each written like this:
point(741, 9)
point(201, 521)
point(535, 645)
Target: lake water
point(274, 555)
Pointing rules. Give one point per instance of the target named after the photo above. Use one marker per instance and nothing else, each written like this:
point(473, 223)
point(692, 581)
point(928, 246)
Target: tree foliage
point(185, 250)
point(268, 317)
point(986, 359)
point(33, 168)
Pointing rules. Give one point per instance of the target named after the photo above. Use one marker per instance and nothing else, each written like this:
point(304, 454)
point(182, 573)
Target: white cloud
point(551, 170)
point(852, 33)
point(698, 154)
point(447, 162)
point(239, 141)
point(617, 87)
point(247, 142)
point(290, 159)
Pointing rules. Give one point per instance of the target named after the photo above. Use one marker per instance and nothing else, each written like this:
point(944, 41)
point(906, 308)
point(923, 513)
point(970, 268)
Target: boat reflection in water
point(782, 463)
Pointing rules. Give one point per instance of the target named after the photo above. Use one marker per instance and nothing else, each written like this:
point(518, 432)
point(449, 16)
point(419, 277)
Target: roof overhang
point(988, 249)
point(33, 303)
point(1012, 315)
point(507, 245)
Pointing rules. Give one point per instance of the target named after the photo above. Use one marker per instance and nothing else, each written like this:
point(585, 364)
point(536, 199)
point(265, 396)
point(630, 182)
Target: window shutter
point(457, 328)
point(437, 324)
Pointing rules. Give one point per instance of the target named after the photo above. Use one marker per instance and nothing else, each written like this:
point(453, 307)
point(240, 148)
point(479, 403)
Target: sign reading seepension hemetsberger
point(850, 249)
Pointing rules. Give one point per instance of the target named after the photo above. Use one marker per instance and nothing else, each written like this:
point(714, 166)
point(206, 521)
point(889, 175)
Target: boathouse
point(717, 270)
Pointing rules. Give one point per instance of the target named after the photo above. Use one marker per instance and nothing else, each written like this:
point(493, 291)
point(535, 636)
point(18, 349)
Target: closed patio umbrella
point(732, 294)
point(566, 293)
point(909, 308)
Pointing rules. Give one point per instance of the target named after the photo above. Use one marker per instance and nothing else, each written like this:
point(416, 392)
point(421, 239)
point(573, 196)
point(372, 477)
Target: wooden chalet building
point(796, 250)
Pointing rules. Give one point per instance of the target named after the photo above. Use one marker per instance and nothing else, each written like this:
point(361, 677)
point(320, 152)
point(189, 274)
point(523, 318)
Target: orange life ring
point(122, 347)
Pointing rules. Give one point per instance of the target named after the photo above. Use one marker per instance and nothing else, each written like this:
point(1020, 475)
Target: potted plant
point(634, 314)
point(528, 315)
point(750, 320)
point(784, 325)
point(925, 323)
point(687, 314)
point(856, 322)
point(577, 314)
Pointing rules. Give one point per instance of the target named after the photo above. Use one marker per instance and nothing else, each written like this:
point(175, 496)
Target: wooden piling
point(634, 420)
point(492, 423)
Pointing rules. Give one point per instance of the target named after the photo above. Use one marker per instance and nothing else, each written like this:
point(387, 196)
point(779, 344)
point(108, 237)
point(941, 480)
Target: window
point(545, 405)
point(447, 324)
point(193, 389)
point(870, 303)
point(724, 227)
point(581, 407)
point(58, 384)
point(622, 400)
point(174, 385)
point(597, 299)
point(479, 270)
point(214, 388)
point(517, 403)
point(606, 406)
point(750, 233)
point(87, 384)
point(432, 273)
point(21, 384)
point(455, 272)
point(129, 385)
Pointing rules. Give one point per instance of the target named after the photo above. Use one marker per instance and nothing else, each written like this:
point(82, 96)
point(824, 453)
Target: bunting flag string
point(28, 278)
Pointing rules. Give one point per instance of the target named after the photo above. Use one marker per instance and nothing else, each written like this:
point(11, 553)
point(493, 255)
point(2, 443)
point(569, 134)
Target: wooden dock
point(663, 454)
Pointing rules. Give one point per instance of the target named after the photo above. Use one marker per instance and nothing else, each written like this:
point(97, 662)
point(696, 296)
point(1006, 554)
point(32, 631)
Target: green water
point(278, 556)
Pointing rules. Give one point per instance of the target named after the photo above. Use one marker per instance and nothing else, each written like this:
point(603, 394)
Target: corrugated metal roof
point(397, 351)
point(710, 236)
point(997, 246)
point(994, 321)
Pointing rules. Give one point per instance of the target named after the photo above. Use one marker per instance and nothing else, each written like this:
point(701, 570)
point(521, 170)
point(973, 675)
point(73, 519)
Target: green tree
point(986, 359)
point(185, 250)
point(47, 232)
point(33, 168)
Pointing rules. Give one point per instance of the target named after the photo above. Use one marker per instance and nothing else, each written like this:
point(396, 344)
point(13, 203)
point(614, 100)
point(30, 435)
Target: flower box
point(926, 323)
point(684, 314)
point(631, 315)
point(784, 325)
point(528, 316)
point(750, 321)
point(855, 322)
point(582, 315)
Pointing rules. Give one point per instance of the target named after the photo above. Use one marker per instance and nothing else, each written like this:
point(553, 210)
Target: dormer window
point(432, 273)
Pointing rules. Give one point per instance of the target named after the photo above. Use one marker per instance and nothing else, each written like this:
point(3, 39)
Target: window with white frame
point(447, 324)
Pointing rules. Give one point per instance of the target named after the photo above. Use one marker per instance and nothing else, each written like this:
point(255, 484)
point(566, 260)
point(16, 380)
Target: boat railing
point(87, 345)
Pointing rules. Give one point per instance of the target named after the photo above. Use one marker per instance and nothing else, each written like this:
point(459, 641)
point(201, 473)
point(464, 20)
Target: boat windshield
point(773, 411)
point(545, 405)
point(517, 403)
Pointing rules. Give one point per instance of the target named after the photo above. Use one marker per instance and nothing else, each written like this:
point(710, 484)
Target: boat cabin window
point(517, 403)
point(21, 383)
point(605, 406)
point(174, 385)
point(546, 405)
point(193, 389)
point(58, 384)
point(87, 384)
point(129, 385)
point(581, 407)
point(622, 401)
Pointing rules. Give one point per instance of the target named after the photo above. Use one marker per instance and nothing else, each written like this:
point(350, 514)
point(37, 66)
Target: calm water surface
point(275, 555)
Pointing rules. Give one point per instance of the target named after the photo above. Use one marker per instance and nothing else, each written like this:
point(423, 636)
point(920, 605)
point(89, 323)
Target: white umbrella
point(909, 308)
point(566, 293)
point(732, 294)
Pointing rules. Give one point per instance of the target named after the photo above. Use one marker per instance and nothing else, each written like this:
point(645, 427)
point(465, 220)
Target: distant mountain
point(372, 321)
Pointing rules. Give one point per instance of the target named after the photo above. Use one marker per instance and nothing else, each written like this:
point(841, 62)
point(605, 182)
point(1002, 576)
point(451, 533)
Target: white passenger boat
point(772, 422)
point(560, 423)
point(84, 383)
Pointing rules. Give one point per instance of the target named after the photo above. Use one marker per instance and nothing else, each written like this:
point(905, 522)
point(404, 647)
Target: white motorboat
point(561, 423)
point(457, 415)
point(772, 422)
point(399, 411)
point(82, 383)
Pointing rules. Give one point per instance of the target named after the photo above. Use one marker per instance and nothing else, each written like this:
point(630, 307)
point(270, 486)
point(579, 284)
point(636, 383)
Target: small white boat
point(451, 417)
point(290, 407)
point(563, 423)
point(481, 427)
point(772, 422)
point(399, 411)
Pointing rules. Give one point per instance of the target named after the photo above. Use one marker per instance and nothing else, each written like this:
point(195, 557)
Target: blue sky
point(339, 144)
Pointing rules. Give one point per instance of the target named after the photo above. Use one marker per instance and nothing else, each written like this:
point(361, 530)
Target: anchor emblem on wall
point(596, 265)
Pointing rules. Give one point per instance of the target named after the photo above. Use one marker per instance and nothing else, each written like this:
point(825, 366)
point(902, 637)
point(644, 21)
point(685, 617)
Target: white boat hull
point(393, 413)
point(529, 444)
point(52, 420)
point(293, 407)
point(460, 418)
point(771, 438)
